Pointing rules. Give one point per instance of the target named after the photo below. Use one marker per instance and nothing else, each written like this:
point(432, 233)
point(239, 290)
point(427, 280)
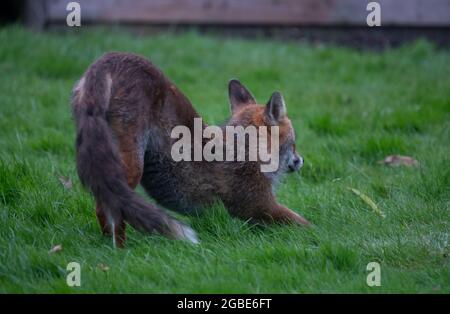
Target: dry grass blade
point(368, 201)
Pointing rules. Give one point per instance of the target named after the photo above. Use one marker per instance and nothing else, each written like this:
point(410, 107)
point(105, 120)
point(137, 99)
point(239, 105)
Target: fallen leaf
point(368, 201)
point(66, 182)
point(55, 249)
point(103, 267)
point(399, 160)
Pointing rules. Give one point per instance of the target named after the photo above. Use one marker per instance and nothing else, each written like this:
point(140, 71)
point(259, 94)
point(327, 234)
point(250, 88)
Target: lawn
point(350, 109)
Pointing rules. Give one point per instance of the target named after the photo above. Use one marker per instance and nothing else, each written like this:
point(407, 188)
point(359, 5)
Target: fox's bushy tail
point(99, 165)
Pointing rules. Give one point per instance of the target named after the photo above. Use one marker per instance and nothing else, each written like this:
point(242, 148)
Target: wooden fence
point(417, 13)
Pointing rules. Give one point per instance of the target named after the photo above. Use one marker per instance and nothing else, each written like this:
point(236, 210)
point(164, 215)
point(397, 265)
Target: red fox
point(124, 110)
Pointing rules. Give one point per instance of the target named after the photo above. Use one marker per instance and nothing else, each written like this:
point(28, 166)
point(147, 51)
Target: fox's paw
point(285, 215)
point(301, 221)
point(186, 233)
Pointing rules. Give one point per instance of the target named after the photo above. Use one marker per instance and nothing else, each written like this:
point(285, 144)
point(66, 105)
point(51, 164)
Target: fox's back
point(144, 107)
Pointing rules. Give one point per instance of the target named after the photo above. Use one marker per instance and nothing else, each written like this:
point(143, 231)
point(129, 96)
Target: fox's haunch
point(99, 165)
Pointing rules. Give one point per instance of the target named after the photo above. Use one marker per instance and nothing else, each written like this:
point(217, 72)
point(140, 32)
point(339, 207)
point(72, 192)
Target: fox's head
point(246, 111)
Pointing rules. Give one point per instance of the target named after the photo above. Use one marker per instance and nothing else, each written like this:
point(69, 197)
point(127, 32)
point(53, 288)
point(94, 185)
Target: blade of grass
point(368, 201)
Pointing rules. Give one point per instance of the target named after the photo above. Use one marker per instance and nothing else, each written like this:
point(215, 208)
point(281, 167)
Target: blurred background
point(337, 21)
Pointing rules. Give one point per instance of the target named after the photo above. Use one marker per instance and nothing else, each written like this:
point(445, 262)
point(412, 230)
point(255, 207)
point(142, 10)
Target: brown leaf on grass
point(55, 249)
point(66, 182)
point(103, 267)
point(399, 160)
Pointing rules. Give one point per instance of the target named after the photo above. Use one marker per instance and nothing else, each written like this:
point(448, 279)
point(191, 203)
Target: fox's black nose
point(297, 163)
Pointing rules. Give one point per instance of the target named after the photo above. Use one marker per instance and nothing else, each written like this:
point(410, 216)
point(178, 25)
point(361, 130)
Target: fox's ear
point(276, 108)
point(239, 95)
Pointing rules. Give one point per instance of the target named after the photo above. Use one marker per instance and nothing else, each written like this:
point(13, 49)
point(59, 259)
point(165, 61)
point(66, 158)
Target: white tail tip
point(186, 233)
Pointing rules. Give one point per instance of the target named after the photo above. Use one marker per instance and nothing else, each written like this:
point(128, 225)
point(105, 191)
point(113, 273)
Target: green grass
point(350, 109)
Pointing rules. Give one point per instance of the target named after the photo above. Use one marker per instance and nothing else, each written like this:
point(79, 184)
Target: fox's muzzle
point(296, 163)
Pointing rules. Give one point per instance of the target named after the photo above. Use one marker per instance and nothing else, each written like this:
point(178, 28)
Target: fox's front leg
point(268, 211)
point(282, 214)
